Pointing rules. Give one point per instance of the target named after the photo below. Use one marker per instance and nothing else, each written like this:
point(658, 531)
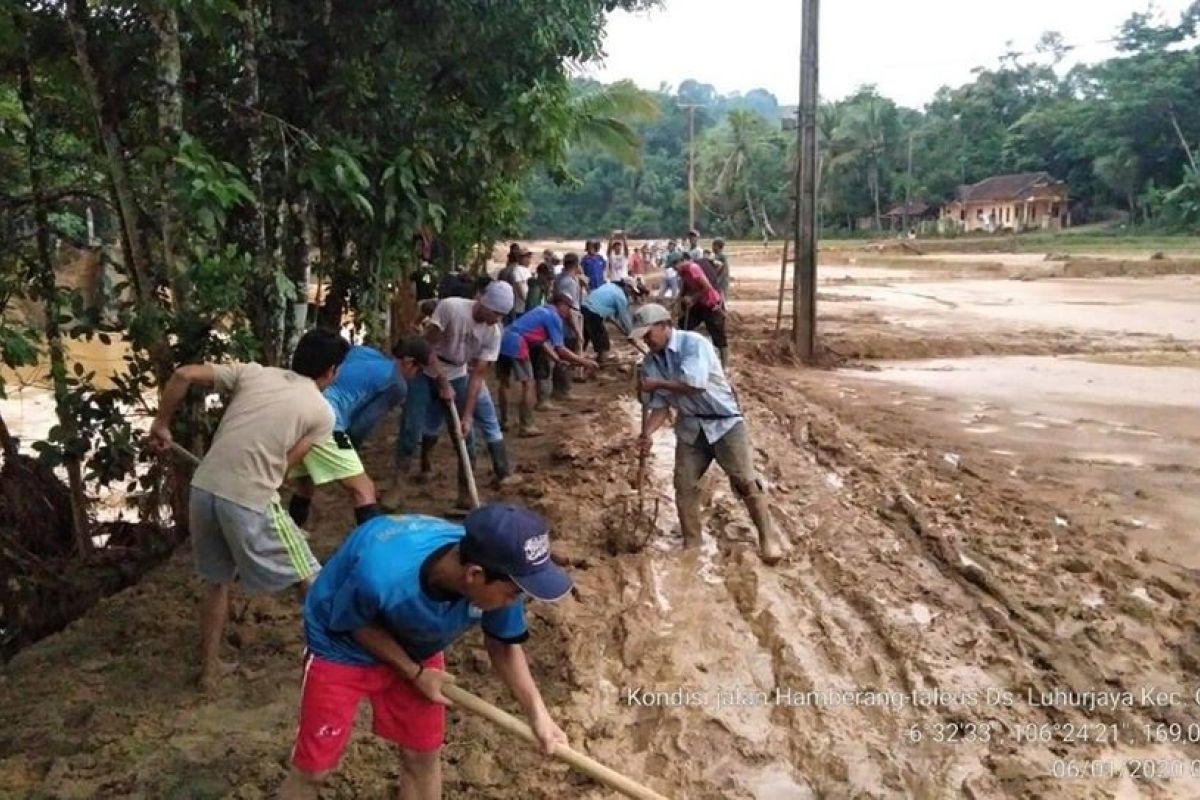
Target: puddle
point(1027, 378)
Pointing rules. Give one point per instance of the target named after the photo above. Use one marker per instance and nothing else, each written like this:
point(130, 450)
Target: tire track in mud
point(1034, 657)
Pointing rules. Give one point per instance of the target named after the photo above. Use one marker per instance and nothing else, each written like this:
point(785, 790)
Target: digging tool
point(464, 459)
point(477, 705)
point(588, 766)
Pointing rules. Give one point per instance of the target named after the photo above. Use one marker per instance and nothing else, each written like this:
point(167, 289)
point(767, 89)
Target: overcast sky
point(907, 49)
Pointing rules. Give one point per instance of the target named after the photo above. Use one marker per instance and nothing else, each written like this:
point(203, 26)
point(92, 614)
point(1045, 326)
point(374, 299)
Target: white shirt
point(463, 340)
point(618, 268)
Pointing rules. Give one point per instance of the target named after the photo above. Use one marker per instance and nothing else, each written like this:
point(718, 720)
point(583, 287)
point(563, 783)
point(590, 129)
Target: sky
point(908, 49)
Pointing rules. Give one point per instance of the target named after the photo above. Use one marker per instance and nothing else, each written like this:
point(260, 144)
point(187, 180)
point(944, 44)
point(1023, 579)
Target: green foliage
point(1108, 129)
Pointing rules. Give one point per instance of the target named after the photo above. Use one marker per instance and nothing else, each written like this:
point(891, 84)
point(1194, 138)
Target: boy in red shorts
point(396, 593)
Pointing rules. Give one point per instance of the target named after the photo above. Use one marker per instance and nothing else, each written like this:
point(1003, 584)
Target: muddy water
point(1124, 435)
point(1165, 306)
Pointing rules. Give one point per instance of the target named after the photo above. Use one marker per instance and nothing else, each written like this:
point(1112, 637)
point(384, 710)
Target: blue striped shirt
point(691, 359)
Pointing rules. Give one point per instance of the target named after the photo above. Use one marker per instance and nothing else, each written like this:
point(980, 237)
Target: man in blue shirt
point(368, 385)
point(528, 344)
point(609, 302)
point(682, 372)
point(594, 266)
point(397, 593)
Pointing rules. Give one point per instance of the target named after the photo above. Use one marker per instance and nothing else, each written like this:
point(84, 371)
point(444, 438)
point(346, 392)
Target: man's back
point(463, 339)
point(376, 577)
point(363, 374)
point(270, 410)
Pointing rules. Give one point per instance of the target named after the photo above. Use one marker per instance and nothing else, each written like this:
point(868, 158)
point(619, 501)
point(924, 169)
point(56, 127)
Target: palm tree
point(862, 137)
point(602, 117)
point(743, 146)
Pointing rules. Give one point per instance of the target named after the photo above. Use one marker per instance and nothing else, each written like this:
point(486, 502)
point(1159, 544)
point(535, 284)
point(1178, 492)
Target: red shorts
point(329, 700)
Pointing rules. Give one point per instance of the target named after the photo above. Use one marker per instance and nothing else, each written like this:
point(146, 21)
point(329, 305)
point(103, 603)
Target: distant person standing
point(721, 261)
point(516, 274)
point(693, 244)
point(424, 279)
point(541, 286)
point(618, 257)
point(593, 265)
point(673, 254)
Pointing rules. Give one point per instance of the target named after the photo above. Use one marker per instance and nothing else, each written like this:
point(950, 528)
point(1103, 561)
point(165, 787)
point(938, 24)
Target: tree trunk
point(131, 238)
point(875, 194)
point(169, 99)
point(8, 443)
point(271, 334)
point(47, 288)
point(1187, 148)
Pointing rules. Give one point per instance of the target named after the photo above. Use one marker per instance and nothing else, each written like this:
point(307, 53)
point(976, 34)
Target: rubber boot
point(769, 548)
point(502, 408)
point(502, 474)
point(689, 522)
point(545, 388)
point(427, 445)
point(562, 381)
point(528, 429)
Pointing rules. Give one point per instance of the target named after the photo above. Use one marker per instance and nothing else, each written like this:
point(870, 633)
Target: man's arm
point(478, 372)
point(676, 387)
point(173, 393)
point(558, 353)
point(300, 449)
point(510, 664)
point(381, 644)
point(433, 336)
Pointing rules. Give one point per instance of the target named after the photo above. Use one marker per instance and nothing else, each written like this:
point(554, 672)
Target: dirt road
point(958, 617)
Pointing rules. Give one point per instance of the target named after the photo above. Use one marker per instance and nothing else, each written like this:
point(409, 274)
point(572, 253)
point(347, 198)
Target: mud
point(934, 590)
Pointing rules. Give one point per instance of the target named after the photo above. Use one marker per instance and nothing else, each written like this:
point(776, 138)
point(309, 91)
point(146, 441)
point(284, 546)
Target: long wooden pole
point(804, 288)
point(464, 458)
point(782, 285)
point(588, 766)
point(477, 705)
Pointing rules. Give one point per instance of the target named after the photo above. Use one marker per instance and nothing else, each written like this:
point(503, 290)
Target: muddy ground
point(959, 616)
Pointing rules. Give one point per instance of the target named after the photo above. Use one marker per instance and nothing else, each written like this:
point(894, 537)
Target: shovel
point(464, 460)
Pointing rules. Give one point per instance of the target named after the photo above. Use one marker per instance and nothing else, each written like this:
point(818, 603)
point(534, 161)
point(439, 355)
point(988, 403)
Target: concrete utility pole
point(804, 281)
point(908, 184)
point(691, 109)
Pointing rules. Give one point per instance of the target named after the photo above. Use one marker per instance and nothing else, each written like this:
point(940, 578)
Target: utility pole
point(908, 184)
point(804, 281)
point(691, 109)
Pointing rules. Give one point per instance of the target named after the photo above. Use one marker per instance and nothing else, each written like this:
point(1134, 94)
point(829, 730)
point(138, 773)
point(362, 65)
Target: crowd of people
point(402, 587)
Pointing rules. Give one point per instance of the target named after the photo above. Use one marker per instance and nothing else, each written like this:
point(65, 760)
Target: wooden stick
point(588, 766)
point(782, 283)
point(464, 459)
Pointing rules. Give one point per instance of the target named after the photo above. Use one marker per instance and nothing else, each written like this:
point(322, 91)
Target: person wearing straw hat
point(682, 372)
point(394, 596)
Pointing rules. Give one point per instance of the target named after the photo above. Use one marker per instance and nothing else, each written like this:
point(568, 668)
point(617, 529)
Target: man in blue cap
point(397, 593)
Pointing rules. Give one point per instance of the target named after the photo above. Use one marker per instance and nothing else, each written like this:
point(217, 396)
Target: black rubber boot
point(427, 445)
point(502, 474)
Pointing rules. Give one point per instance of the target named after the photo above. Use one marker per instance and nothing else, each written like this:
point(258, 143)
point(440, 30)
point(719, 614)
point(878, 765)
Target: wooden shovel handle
point(588, 766)
point(464, 458)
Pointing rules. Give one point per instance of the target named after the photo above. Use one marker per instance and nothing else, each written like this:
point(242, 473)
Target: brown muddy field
point(990, 591)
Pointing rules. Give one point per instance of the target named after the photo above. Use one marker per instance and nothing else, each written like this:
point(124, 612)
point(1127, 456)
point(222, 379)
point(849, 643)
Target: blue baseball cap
point(515, 541)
